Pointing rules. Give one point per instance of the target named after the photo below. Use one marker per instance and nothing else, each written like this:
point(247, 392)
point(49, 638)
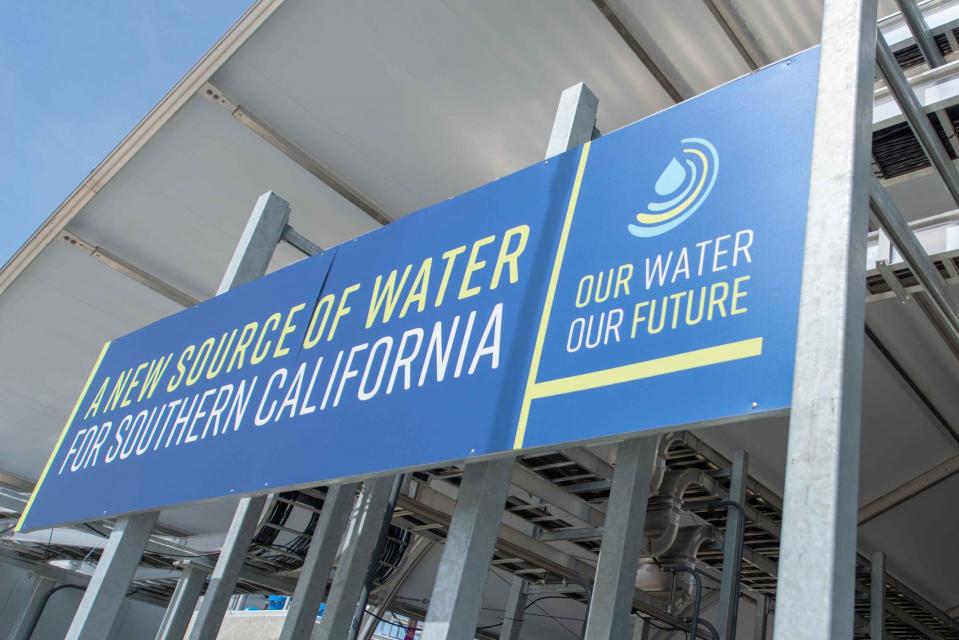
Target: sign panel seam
point(550, 294)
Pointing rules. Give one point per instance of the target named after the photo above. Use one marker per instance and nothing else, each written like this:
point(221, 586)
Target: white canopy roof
point(398, 106)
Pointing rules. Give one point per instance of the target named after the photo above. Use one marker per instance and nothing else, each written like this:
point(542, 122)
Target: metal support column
point(311, 587)
point(398, 482)
point(615, 584)
point(31, 611)
point(575, 120)
point(250, 260)
point(227, 569)
point(515, 607)
point(262, 233)
point(877, 596)
point(458, 591)
point(108, 587)
point(818, 548)
point(350, 575)
point(762, 616)
point(176, 619)
point(729, 588)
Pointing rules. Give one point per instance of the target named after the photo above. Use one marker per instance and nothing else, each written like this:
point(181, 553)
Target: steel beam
point(942, 310)
point(877, 596)
point(457, 593)
point(295, 153)
point(515, 607)
point(918, 121)
point(630, 28)
point(300, 242)
point(817, 561)
point(906, 591)
point(589, 461)
point(264, 230)
point(399, 480)
point(130, 270)
point(579, 511)
point(920, 31)
point(730, 16)
point(315, 572)
point(351, 570)
point(177, 616)
point(413, 557)
point(933, 56)
point(251, 258)
point(108, 587)
point(732, 563)
point(227, 570)
point(614, 586)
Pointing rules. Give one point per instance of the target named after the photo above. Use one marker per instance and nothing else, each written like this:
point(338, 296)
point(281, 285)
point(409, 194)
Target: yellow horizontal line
point(650, 368)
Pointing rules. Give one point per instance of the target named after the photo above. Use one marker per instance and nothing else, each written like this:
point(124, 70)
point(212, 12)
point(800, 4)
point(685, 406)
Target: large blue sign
point(646, 280)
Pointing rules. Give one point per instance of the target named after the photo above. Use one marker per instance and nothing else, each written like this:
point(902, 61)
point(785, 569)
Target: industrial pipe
point(697, 599)
point(43, 605)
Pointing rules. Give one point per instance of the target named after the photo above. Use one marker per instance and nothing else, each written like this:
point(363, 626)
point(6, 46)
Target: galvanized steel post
point(108, 587)
point(311, 586)
point(614, 587)
point(818, 549)
point(176, 619)
point(458, 590)
point(250, 260)
point(351, 570)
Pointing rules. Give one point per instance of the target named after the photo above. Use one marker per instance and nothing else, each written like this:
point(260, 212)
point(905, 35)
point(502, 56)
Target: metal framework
point(567, 521)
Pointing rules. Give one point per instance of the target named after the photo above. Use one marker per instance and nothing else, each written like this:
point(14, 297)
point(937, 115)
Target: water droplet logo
point(684, 185)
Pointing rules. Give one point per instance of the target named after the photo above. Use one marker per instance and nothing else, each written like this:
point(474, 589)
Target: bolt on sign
point(646, 280)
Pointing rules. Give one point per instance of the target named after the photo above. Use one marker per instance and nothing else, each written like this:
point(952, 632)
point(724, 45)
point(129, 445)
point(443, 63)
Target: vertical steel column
point(227, 569)
point(33, 608)
point(250, 260)
point(311, 586)
point(615, 585)
point(350, 575)
point(108, 587)
point(398, 481)
point(262, 233)
point(877, 596)
point(458, 591)
point(762, 615)
point(177, 616)
point(515, 607)
point(818, 548)
point(575, 120)
point(729, 587)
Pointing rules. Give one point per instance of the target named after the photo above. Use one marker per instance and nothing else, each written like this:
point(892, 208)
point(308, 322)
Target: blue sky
point(75, 77)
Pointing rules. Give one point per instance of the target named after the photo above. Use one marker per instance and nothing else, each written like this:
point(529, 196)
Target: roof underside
point(362, 90)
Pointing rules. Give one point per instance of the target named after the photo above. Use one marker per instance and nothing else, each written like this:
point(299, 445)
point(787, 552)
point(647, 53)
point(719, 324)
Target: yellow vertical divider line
point(548, 303)
point(63, 434)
